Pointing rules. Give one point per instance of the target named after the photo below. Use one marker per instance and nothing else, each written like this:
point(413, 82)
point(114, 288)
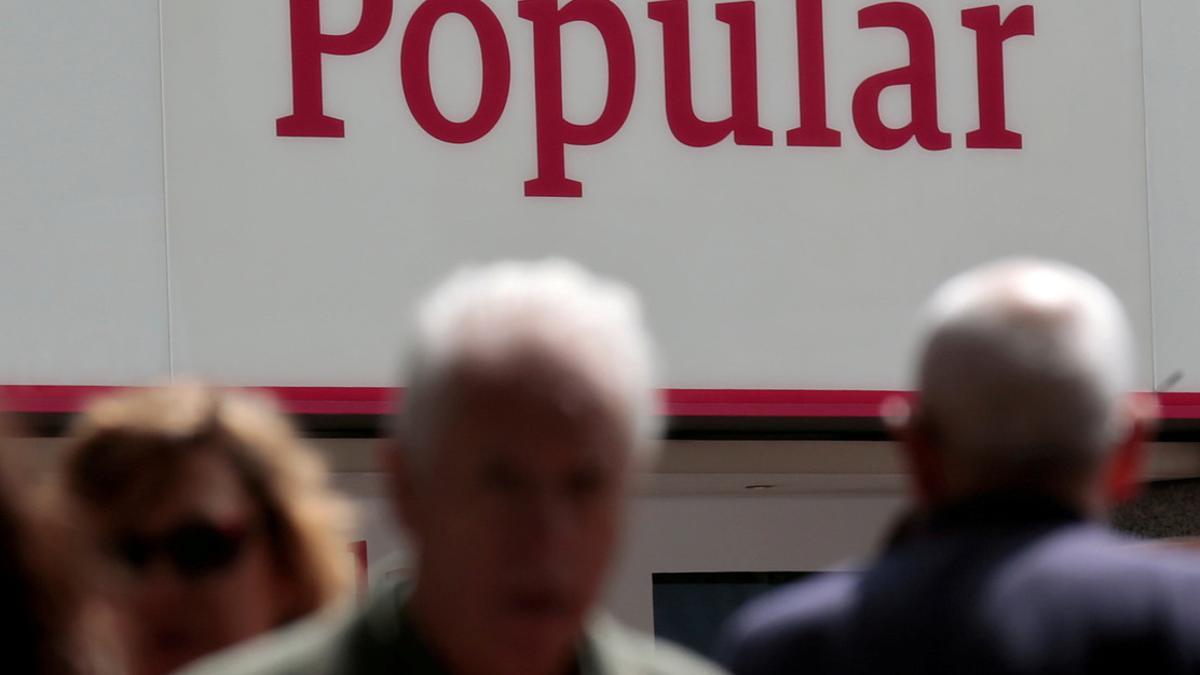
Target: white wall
point(1172, 53)
point(734, 534)
point(702, 533)
point(830, 504)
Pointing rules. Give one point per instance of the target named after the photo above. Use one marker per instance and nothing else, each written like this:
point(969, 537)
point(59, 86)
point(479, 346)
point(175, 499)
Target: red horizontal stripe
point(775, 402)
point(812, 403)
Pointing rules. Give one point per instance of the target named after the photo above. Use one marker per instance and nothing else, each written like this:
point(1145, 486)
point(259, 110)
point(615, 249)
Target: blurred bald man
point(529, 410)
point(1024, 434)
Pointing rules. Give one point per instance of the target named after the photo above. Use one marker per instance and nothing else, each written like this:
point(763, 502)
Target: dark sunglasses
point(194, 549)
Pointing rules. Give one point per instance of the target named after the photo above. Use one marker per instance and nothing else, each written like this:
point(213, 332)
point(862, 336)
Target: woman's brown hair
point(127, 449)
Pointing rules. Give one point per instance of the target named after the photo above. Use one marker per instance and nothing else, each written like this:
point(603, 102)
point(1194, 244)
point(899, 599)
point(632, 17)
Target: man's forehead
point(518, 414)
point(539, 382)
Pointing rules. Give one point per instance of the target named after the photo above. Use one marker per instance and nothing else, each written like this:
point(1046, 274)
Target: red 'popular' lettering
point(990, 34)
point(308, 116)
point(810, 52)
point(743, 68)
point(919, 75)
point(414, 70)
point(554, 132)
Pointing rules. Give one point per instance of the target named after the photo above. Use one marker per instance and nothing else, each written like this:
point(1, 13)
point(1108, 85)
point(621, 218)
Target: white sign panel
point(83, 295)
point(784, 180)
point(1172, 29)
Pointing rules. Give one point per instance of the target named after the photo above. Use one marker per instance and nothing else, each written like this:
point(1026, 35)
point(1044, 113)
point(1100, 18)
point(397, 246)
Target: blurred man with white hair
point(1024, 433)
point(528, 412)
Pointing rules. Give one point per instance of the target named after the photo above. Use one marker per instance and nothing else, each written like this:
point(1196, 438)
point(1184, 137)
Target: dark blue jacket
point(999, 585)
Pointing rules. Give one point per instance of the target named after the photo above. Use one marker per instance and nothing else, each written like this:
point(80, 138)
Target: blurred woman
point(213, 520)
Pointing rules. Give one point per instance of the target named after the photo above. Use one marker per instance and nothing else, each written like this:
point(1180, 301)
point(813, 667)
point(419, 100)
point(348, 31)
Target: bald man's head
point(1024, 377)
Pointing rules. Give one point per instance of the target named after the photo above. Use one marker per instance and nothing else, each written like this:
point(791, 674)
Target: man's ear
point(392, 458)
point(918, 450)
point(1125, 469)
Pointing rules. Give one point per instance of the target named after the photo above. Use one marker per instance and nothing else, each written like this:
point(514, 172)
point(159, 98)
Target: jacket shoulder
point(789, 625)
point(305, 648)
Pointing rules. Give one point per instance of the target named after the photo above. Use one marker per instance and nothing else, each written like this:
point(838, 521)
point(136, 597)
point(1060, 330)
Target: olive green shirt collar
point(411, 653)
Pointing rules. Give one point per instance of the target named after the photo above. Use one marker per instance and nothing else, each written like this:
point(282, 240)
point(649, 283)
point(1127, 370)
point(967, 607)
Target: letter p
point(308, 116)
point(554, 132)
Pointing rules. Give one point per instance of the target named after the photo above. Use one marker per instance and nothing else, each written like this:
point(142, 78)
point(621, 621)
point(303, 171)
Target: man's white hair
point(555, 307)
point(1025, 373)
